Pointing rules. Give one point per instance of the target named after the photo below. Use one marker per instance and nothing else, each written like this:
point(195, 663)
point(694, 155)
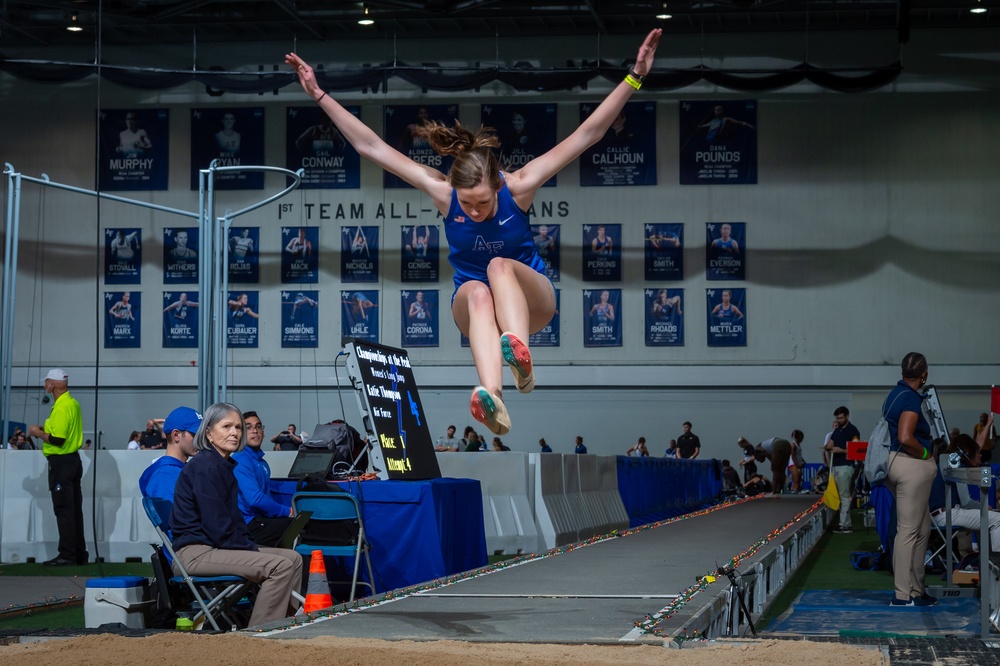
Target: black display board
point(394, 421)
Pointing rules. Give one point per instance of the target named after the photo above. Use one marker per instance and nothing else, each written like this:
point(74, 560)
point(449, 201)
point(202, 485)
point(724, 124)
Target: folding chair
point(335, 510)
point(216, 597)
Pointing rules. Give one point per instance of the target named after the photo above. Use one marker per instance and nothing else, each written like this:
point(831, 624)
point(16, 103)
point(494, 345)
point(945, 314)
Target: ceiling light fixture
point(978, 9)
point(366, 20)
point(73, 26)
point(663, 15)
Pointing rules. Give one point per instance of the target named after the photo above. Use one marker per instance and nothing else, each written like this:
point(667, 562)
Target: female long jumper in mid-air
point(501, 292)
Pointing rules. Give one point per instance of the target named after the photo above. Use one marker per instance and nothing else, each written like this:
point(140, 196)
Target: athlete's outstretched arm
point(525, 181)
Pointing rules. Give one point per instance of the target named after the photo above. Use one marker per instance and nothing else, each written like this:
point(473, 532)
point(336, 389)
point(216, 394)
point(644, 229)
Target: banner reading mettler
point(421, 262)
point(401, 123)
point(725, 251)
point(359, 254)
point(180, 319)
point(549, 335)
point(602, 253)
point(300, 319)
point(664, 317)
point(135, 149)
point(602, 318)
point(664, 245)
point(359, 315)
point(727, 317)
point(121, 327)
point(419, 317)
point(122, 256)
point(315, 145)
point(718, 142)
point(626, 154)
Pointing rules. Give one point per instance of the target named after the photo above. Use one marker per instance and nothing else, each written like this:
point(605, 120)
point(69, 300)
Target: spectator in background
point(448, 441)
point(159, 479)
point(826, 454)
point(797, 462)
point(688, 444)
point(985, 424)
point(473, 442)
point(639, 450)
point(133, 441)
point(779, 452)
point(498, 445)
point(671, 449)
point(748, 463)
point(730, 477)
point(545, 447)
point(266, 518)
point(87, 443)
point(841, 468)
point(580, 448)
point(287, 440)
point(152, 436)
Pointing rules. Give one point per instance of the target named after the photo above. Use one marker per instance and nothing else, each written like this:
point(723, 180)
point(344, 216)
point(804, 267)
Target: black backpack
point(341, 438)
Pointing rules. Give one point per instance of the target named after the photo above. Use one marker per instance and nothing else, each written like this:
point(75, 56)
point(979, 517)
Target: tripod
point(734, 589)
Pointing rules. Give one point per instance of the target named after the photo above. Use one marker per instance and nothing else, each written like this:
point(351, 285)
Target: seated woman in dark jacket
point(209, 532)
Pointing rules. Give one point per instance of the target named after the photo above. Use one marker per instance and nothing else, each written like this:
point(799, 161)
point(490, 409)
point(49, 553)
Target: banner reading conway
point(315, 145)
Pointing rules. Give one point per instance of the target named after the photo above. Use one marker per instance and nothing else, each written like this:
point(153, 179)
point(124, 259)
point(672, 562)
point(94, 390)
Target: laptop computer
point(314, 463)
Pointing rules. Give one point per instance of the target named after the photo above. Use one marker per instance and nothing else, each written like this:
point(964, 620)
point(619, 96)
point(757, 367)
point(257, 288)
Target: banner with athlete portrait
point(300, 255)
point(180, 319)
point(602, 253)
point(664, 251)
point(244, 255)
point(419, 317)
point(234, 137)
point(725, 251)
point(664, 317)
point(549, 335)
point(421, 261)
point(315, 145)
point(122, 329)
point(525, 132)
point(400, 123)
point(359, 316)
point(602, 318)
point(180, 255)
point(241, 322)
point(300, 319)
point(718, 142)
point(123, 256)
point(626, 155)
point(358, 254)
point(135, 149)
point(727, 317)
point(547, 245)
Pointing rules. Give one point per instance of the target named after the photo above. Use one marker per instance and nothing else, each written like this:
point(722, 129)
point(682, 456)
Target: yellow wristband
point(634, 82)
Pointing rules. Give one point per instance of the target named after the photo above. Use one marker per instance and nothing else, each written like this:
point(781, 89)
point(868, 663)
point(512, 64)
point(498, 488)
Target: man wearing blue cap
point(158, 480)
point(266, 518)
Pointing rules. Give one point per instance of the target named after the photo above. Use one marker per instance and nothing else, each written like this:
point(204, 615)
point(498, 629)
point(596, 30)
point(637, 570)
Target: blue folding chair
point(217, 597)
point(330, 508)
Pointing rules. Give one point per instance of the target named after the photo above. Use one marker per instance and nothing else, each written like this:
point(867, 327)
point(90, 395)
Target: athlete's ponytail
point(475, 159)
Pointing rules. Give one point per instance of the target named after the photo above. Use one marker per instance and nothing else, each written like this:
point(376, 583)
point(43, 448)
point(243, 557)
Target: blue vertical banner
point(725, 251)
point(664, 251)
point(419, 318)
point(549, 335)
point(718, 142)
point(180, 255)
point(300, 255)
point(241, 324)
point(234, 137)
point(626, 154)
point(315, 145)
point(123, 256)
point(546, 238)
point(359, 254)
point(180, 319)
point(300, 319)
point(122, 328)
point(135, 149)
point(525, 132)
point(244, 255)
point(359, 320)
point(602, 318)
point(664, 317)
point(421, 259)
point(727, 317)
point(602, 253)
point(401, 121)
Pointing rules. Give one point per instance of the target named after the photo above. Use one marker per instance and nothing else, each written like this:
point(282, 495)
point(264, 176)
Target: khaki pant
point(910, 482)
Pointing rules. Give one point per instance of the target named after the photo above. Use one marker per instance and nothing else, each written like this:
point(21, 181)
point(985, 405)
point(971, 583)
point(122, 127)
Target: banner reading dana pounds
point(419, 317)
point(300, 319)
point(718, 142)
point(727, 317)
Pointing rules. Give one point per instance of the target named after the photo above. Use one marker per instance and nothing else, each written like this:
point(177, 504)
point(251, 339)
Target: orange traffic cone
point(317, 588)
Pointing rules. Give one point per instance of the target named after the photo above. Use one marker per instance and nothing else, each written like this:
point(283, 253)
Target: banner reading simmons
point(718, 142)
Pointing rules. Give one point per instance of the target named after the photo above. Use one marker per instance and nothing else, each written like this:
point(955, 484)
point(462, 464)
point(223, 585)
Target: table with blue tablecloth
point(418, 530)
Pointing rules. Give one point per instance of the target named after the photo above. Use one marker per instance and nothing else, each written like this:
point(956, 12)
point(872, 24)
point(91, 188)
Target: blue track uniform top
point(473, 244)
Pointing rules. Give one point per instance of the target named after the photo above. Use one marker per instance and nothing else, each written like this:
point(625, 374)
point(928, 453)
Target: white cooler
point(121, 599)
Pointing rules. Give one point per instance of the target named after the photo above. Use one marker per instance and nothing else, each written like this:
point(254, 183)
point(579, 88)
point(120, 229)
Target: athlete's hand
point(306, 75)
point(644, 61)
